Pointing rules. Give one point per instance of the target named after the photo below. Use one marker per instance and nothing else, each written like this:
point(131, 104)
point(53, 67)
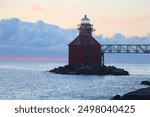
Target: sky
point(40, 30)
point(26, 41)
point(129, 17)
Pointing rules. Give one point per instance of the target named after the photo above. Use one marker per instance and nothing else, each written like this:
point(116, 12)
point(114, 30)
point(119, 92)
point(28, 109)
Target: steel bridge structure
point(124, 48)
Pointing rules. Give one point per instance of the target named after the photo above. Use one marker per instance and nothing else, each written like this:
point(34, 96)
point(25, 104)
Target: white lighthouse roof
point(85, 20)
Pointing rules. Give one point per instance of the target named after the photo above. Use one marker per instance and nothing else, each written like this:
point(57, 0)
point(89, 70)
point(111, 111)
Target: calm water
point(30, 80)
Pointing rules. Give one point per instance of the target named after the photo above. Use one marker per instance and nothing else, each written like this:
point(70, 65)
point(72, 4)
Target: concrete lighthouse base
point(89, 70)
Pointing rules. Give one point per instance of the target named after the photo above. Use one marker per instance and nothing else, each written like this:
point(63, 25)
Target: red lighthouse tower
point(84, 49)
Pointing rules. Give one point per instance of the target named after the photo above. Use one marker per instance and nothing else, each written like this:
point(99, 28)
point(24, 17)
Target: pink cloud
point(129, 20)
point(10, 58)
point(35, 7)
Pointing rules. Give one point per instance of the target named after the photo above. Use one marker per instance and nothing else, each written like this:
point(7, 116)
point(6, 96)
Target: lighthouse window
point(85, 21)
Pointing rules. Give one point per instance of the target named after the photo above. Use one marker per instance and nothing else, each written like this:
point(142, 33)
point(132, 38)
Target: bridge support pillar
point(102, 59)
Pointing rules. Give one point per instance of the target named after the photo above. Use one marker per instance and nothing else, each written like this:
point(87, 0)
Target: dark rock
point(117, 97)
point(145, 83)
point(89, 70)
point(141, 94)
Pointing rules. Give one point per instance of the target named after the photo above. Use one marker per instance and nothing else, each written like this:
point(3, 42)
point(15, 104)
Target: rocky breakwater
point(89, 70)
point(140, 94)
point(145, 83)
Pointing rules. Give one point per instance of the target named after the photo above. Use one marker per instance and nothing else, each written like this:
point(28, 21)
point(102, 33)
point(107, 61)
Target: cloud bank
point(119, 38)
point(26, 39)
point(14, 32)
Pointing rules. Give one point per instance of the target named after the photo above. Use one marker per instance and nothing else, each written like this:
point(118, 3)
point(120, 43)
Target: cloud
point(119, 38)
point(35, 7)
point(129, 20)
point(26, 40)
point(14, 32)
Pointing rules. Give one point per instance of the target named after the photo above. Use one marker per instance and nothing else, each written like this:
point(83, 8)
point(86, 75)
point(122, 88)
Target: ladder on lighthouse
point(124, 48)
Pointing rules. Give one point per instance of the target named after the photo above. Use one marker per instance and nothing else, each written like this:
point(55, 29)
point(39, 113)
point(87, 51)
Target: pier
point(124, 49)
